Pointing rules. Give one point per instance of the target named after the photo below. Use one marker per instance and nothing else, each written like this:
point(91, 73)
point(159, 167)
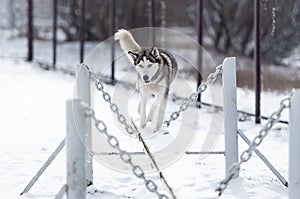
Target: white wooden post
point(294, 146)
point(83, 91)
point(76, 153)
point(230, 112)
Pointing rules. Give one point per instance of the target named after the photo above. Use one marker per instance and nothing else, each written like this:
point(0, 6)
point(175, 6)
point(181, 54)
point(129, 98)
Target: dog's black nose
point(146, 78)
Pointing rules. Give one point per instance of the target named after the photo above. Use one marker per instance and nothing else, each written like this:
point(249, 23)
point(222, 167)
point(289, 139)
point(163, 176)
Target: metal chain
point(106, 96)
point(124, 155)
point(247, 154)
point(193, 97)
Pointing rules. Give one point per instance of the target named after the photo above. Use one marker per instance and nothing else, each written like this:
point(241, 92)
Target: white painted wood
point(61, 192)
point(230, 112)
point(83, 92)
point(44, 167)
point(294, 146)
point(265, 160)
point(76, 153)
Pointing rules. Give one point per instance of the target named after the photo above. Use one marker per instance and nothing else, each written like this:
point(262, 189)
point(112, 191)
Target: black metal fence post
point(152, 15)
point(200, 41)
point(54, 38)
point(82, 29)
point(257, 74)
point(30, 31)
point(112, 32)
point(151, 4)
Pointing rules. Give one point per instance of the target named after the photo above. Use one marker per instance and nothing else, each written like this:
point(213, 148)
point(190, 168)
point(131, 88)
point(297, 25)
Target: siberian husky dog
point(156, 69)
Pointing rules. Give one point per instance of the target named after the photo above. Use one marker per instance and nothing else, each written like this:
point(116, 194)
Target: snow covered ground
point(33, 123)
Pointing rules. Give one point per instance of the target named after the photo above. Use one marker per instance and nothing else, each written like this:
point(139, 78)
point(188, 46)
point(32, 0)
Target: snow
point(33, 124)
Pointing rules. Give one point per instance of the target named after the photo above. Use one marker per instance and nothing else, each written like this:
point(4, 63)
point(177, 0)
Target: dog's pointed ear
point(154, 51)
point(133, 55)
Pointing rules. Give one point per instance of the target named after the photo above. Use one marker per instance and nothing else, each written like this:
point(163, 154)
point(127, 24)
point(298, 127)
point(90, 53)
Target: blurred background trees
point(228, 25)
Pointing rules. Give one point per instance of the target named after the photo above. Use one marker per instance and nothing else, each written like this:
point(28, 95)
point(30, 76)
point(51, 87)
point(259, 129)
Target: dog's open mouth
point(146, 81)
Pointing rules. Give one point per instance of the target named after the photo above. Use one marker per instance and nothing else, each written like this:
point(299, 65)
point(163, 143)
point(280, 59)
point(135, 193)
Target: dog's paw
point(143, 122)
point(155, 130)
point(149, 118)
point(155, 127)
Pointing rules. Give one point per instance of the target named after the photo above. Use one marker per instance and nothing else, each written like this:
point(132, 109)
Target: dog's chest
point(152, 88)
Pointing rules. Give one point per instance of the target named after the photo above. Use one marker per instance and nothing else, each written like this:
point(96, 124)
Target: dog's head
point(146, 62)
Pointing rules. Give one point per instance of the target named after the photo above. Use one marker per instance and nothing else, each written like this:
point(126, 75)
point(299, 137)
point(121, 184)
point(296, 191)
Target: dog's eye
point(150, 65)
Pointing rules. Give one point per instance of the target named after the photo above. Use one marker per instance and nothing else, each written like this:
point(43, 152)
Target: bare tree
point(229, 24)
point(130, 14)
point(11, 14)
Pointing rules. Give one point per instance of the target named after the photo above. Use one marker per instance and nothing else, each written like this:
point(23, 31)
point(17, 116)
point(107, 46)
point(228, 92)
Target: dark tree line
point(228, 24)
point(129, 14)
point(97, 17)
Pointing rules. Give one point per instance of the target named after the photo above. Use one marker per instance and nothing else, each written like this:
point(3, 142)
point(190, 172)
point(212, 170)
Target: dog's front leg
point(142, 107)
point(151, 113)
point(160, 113)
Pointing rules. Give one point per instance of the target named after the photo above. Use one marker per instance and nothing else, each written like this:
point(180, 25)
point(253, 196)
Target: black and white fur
point(156, 69)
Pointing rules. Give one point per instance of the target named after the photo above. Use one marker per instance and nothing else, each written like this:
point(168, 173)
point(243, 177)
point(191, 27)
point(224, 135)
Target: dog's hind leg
point(142, 107)
point(139, 108)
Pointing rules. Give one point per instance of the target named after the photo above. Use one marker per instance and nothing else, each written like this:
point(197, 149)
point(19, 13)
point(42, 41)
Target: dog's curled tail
point(127, 41)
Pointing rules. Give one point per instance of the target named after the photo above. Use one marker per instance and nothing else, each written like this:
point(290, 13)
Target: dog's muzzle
point(146, 79)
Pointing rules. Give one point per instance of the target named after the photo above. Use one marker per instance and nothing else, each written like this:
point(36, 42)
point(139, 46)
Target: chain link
point(246, 155)
point(124, 155)
point(193, 97)
point(106, 96)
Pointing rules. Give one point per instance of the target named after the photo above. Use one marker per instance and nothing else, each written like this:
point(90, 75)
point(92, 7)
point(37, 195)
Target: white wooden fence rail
point(230, 112)
point(76, 151)
point(83, 92)
point(294, 146)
